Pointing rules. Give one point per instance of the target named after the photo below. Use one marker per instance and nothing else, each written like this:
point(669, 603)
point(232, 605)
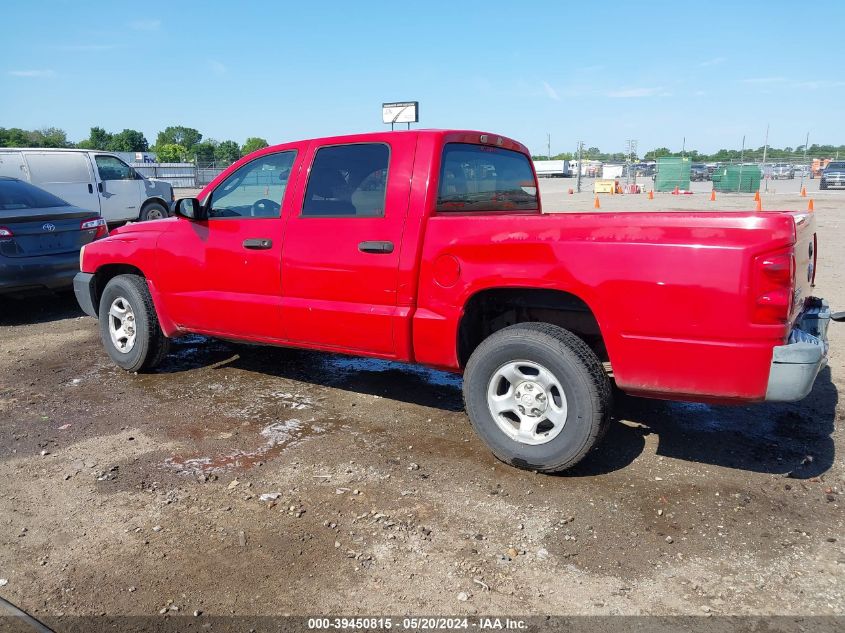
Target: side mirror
point(190, 208)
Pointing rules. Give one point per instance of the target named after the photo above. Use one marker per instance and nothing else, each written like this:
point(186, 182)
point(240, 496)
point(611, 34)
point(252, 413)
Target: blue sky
point(655, 71)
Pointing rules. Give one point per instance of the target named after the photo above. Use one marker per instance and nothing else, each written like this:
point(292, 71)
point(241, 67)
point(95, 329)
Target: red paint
point(690, 305)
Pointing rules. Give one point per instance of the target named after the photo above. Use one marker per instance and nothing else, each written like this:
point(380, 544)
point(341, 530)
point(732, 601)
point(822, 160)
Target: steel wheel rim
point(527, 402)
point(155, 214)
point(122, 327)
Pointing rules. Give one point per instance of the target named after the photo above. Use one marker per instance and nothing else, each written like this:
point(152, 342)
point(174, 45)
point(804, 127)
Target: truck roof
point(444, 135)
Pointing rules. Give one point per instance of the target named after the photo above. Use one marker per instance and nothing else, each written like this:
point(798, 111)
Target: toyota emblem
point(48, 227)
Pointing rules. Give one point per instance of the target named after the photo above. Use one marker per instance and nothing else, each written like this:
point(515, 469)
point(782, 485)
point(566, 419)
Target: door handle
point(100, 187)
point(90, 188)
point(375, 247)
point(258, 244)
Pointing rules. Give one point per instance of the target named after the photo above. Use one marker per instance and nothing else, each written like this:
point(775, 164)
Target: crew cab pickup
point(431, 247)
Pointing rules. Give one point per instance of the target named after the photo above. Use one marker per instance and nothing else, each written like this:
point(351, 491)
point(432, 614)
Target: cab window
point(255, 190)
point(112, 168)
point(348, 181)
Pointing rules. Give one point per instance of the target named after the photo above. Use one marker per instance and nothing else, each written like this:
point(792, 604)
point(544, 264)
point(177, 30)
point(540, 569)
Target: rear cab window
point(348, 181)
point(482, 178)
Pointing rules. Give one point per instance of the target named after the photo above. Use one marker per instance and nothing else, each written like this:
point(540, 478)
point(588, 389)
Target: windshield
point(16, 194)
point(482, 178)
point(836, 166)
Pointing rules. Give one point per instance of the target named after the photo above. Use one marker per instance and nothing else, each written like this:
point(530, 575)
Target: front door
point(119, 187)
point(221, 276)
point(341, 256)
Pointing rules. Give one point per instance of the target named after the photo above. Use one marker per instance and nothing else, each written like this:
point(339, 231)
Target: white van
point(92, 180)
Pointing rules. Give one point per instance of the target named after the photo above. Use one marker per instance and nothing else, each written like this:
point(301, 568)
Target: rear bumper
point(45, 272)
point(85, 291)
point(795, 365)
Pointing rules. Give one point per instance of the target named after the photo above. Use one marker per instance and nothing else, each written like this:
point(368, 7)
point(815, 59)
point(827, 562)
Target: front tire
point(153, 211)
point(129, 326)
point(538, 396)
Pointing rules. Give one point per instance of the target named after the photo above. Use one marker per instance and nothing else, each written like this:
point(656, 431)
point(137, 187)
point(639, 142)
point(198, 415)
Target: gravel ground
point(246, 480)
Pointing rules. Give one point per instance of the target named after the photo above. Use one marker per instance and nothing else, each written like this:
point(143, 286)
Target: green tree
point(253, 143)
point(204, 152)
point(128, 141)
point(14, 137)
point(98, 138)
point(171, 153)
point(187, 137)
point(227, 152)
point(49, 137)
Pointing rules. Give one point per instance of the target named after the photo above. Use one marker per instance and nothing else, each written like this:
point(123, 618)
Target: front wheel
point(129, 325)
point(538, 396)
point(153, 211)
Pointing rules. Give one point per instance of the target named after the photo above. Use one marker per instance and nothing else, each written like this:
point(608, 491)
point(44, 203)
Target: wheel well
point(160, 201)
point(491, 310)
point(108, 272)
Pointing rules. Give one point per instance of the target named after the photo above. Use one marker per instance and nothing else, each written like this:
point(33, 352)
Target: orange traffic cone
point(810, 206)
point(803, 192)
point(597, 204)
point(759, 204)
point(712, 195)
point(757, 195)
point(571, 191)
point(651, 195)
point(676, 191)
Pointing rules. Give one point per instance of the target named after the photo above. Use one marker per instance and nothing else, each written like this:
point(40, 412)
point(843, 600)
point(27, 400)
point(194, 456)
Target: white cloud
point(551, 92)
point(712, 62)
point(145, 25)
point(32, 73)
point(822, 83)
point(633, 93)
point(218, 68)
point(86, 47)
point(763, 80)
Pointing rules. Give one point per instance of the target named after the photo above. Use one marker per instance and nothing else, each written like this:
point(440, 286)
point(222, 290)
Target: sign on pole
point(400, 112)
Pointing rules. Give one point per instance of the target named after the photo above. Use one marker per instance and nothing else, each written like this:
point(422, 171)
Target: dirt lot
point(133, 494)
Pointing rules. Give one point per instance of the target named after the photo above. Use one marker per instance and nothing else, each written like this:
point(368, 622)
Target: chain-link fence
point(180, 175)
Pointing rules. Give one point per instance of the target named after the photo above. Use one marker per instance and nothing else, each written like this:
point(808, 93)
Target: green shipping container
point(672, 172)
point(745, 178)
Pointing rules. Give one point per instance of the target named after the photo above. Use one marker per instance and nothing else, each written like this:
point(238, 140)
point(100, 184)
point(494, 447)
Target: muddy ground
point(246, 480)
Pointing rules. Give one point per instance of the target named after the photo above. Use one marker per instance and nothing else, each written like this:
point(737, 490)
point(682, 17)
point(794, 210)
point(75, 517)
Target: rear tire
point(153, 211)
point(129, 326)
point(503, 383)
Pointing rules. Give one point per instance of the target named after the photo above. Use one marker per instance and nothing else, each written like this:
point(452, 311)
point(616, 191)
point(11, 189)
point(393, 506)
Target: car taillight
point(4, 232)
point(773, 278)
point(95, 224)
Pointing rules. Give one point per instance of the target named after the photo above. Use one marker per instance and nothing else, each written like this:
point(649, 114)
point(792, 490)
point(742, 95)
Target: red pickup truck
point(431, 247)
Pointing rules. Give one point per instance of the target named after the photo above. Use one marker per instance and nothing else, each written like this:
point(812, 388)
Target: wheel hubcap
point(155, 214)
point(527, 402)
point(122, 328)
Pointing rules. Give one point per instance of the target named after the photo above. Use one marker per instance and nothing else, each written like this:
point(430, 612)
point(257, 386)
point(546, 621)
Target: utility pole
point(549, 144)
point(578, 175)
point(741, 162)
point(684, 147)
point(765, 151)
point(806, 142)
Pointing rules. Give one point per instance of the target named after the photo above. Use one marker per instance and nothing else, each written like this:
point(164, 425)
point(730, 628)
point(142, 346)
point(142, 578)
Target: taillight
point(95, 224)
point(4, 232)
point(773, 278)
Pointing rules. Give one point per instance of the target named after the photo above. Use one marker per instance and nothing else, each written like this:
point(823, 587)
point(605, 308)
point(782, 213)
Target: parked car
point(833, 175)
point(699, 172)
point(451, 263)
point(97, 181)
point(782, 172)
point(40, 238)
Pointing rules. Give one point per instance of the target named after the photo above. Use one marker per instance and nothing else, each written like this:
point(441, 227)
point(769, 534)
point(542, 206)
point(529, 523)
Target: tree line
point(723, 155)
point(174, 144)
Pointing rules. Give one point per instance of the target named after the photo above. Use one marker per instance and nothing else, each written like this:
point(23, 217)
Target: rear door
point(12, 165)
point(67, 175)
point(341, 255)
point(120, 189)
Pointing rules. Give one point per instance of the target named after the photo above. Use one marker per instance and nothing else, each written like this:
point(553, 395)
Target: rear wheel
point(537, 396)
point(153, 211)
point(129, 325)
